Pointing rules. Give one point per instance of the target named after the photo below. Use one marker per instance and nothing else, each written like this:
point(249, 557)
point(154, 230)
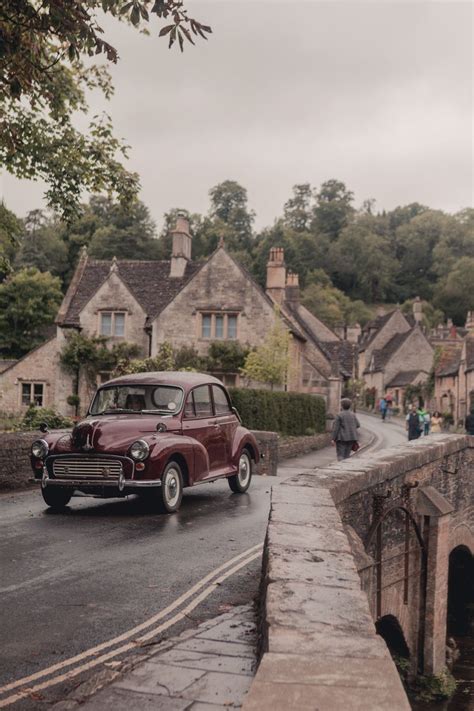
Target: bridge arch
point(460, 615)
point(390, 629)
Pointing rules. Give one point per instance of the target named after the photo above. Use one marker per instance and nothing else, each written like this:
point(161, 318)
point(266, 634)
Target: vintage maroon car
point(148, 433)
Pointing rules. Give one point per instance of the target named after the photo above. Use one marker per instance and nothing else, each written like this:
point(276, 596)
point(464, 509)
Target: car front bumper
point(120, 484)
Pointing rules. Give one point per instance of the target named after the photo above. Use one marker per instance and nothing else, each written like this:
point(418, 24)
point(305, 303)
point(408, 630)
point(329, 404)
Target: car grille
point(90, 469)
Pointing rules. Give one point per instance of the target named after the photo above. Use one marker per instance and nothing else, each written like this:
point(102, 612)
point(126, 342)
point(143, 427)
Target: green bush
point(34, 416)
point(287, 413)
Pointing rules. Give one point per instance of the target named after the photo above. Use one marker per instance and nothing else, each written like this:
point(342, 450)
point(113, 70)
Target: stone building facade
point(454, 373)
point(184, 303)
point(394, 353)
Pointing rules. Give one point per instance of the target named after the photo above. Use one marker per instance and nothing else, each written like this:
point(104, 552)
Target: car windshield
point(164, 399)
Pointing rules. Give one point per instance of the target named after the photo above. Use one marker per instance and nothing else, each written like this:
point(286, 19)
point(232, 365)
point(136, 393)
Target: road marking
point(253, 552)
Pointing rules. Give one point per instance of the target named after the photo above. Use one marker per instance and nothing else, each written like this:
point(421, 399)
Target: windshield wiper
point(117, 411)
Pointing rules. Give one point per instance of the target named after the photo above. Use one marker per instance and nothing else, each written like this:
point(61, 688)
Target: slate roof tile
point(148, 281)
point(449, 360)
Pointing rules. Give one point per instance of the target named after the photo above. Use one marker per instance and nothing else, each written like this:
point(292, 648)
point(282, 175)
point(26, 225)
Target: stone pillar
point(418, 310)
point(437, 512)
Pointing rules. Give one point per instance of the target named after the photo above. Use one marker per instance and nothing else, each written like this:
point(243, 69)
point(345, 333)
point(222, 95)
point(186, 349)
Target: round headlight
point(40, 448)
point(139, 450)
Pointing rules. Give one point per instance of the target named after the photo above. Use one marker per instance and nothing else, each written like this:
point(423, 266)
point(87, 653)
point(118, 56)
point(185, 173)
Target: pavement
point(209, 668)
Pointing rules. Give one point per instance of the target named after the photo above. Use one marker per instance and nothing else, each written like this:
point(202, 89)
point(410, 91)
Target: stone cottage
point(454, 373)
point(185, 303)
point(394, 353)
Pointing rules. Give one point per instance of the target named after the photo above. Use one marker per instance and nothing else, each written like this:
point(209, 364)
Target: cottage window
point(112, 323)
point(32, 394)
point(219, 326)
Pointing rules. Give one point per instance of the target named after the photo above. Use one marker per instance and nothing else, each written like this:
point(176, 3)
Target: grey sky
point(376, 94)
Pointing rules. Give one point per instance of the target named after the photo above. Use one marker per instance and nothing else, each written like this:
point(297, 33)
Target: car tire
point(170, 493)
point(240, 482)
point(56, 499)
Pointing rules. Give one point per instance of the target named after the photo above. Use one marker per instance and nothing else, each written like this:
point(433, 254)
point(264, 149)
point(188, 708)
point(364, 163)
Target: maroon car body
point(138, 428)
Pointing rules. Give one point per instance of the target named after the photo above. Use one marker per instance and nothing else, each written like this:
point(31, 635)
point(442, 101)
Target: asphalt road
point(73, 580)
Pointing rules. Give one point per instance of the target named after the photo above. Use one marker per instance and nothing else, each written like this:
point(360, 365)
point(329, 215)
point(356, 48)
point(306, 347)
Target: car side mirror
point(236, 413)
point(161, 427)
point(43, 427)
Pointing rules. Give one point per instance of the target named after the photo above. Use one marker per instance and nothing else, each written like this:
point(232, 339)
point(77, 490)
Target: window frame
point(112, 313)
point(195, 416)
point(229, 405)
point(213, 315)
point(32, 384)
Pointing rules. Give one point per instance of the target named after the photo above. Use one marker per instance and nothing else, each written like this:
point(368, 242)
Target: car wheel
point(170, 492)
point(56, 498)
point(240, 482)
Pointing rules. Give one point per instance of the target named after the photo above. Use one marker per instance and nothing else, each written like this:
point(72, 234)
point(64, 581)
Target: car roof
point(181, 379)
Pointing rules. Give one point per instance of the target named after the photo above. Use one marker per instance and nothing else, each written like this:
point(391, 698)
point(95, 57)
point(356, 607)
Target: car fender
point(166, 445)
point(242, 438)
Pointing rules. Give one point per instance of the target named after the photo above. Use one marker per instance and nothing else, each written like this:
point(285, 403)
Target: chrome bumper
point(119, 484)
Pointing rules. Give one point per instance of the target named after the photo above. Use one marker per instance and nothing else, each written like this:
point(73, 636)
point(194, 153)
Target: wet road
point(73, 580)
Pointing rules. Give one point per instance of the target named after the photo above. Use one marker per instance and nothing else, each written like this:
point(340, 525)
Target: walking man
point(383, 408)
point(344, 431)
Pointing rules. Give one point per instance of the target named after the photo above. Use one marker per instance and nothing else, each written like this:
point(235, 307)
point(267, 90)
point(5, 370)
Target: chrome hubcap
point(244, 469)
point(172, 487)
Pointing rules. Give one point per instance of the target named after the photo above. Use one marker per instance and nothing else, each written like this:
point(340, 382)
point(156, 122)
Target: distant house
point(394, 353)
point(454, 381)
point(184, 303)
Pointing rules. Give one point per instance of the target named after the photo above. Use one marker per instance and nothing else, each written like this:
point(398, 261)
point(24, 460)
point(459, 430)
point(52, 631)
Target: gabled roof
point(148, 281)
point(372, 328)
point(404, 378)
point(343, 353)
point(381, 356)
point(449, 360)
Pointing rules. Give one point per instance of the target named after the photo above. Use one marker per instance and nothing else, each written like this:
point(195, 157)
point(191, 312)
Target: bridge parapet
point(348, 546)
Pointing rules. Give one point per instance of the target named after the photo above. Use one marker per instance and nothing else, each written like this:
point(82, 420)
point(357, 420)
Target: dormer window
point(112, 323)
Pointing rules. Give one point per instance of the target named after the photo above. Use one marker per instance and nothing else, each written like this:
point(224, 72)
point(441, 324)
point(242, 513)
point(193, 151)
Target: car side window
point(189, 410)
point(202, 401)
point(221, 403)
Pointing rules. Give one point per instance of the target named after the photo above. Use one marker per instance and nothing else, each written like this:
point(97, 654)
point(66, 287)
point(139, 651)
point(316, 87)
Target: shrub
point(287, 413)
point(34, 416)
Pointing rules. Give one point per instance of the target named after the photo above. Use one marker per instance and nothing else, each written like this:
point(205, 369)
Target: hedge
point(287, 413)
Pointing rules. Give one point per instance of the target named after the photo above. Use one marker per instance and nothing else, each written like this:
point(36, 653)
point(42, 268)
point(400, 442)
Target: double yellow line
point(131, 639)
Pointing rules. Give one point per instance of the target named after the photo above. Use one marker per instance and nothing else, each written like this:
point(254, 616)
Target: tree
point(41, 245)
point(455, 295)
point(29, 301)
point(11, 229)
point(269, 363)
point(230, 213)
point(297, 210)
point(124, 233)
point(333, 210)
point(331, 305)
point(414, 243)
point(362, 265)
point(45, 70)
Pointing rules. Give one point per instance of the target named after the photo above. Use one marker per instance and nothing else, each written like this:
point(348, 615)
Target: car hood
point(115, 433)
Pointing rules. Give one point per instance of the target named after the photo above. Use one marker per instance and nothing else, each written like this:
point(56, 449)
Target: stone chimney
point(181, 252)
point(276, 274)
point(292, 289)
point(418, 310)
point(470, 322)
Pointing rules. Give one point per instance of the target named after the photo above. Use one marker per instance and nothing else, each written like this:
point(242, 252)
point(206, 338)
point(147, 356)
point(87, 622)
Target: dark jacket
point(470, 424)
point(345, 427)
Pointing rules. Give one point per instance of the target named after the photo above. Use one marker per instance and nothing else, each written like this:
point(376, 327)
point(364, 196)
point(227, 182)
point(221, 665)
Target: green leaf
point(165, 30)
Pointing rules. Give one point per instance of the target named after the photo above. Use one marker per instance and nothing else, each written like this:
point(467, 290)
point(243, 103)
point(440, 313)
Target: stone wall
point(15, 468)
point(319, 644)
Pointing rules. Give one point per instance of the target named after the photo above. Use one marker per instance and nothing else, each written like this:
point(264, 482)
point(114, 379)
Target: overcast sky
point(376, 94)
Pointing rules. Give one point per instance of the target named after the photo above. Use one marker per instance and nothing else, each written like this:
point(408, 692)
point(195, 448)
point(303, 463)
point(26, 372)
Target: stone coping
point(319, 646)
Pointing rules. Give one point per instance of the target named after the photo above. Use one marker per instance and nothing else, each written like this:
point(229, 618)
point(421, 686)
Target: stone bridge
point(379, 546)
